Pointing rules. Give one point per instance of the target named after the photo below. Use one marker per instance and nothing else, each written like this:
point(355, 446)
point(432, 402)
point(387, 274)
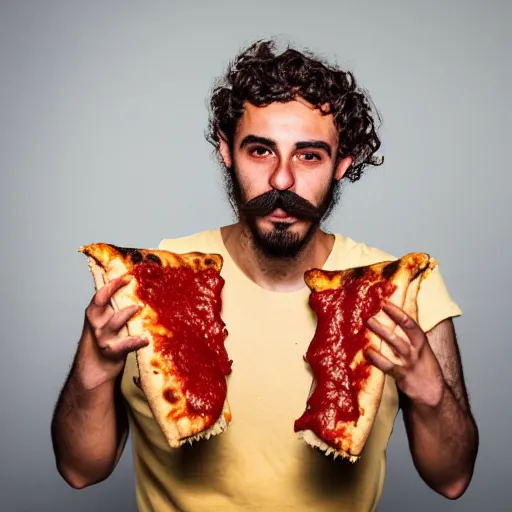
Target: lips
point(281, 217)
point(279, 214)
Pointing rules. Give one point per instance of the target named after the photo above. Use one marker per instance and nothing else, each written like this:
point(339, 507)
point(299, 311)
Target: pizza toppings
point(184, 367)
point(347, 389)
point(340, 335)
point(187, 305)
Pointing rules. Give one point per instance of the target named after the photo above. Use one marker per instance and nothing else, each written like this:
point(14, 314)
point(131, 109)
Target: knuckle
point(127, 313)
point(89, 313)
point(108, 348)
point(98, 296)
point(118, 320)
point(112, 320)
point(408, 322)
point(100, 339)
point(123, 314)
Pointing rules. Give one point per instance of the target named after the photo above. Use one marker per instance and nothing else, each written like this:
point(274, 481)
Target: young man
point(288, 130)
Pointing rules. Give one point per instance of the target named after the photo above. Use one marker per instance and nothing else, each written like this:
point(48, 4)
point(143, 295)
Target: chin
point(279, 239)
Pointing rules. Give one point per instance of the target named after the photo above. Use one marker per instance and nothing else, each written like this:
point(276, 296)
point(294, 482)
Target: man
point(289, 130)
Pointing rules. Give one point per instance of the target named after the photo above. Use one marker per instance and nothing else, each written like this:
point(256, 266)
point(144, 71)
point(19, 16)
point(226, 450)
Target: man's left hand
point(418, 375)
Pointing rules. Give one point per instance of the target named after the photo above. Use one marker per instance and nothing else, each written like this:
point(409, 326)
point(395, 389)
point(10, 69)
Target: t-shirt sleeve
point(435, 302)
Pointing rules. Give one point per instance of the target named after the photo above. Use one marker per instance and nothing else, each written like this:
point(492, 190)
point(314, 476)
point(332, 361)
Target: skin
point(261, 167)
point(442, 433)
point(89, 434)
point(90, 425)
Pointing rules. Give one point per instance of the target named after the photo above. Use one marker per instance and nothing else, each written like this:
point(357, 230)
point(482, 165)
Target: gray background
point(102, 108)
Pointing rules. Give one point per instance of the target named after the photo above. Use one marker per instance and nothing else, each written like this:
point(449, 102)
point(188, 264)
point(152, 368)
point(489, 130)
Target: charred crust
point(154, 258)
point(136, 381)
point(330, 274)
point(390, 269)
point(128, 252)
point(419, 271)
point(209, 262)
point(136, 257)
point(124, 251)
point(170, 396)
point(358, 272)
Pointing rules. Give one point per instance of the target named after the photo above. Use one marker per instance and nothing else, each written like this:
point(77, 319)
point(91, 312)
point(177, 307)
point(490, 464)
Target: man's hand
point(103, 348)
point(90, 423)
point(442, 433)
point(417, 373)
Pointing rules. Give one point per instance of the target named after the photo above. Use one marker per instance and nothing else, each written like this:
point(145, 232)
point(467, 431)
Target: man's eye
point(309, 157)
point(260, 151)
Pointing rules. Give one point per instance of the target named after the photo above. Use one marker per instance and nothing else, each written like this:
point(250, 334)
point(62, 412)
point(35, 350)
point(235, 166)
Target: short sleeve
point(434, 302)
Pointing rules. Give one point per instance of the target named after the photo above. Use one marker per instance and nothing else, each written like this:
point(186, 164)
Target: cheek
point(253, 181)
point(313, 187)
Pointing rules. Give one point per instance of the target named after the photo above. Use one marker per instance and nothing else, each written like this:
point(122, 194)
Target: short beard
point(280, 243)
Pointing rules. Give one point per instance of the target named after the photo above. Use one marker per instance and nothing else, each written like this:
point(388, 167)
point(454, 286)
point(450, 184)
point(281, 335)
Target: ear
point(342, 167)
point(224, 151)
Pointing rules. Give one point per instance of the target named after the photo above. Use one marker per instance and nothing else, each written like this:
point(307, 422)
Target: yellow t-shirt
point(259, 464)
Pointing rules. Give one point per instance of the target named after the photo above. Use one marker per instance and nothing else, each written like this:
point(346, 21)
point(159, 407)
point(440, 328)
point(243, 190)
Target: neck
point(276, 274)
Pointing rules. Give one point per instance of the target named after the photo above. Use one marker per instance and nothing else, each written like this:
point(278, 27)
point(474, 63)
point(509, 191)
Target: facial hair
point(281, 242)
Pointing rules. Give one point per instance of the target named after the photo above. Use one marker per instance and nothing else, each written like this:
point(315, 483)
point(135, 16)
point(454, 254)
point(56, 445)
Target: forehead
point(294, 120)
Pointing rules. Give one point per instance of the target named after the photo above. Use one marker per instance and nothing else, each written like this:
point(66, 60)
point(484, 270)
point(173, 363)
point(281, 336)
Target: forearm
point(444, 443)
point(88, 430)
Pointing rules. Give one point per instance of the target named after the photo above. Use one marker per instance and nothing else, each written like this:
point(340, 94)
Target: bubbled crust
point(107, 262)
point(406, 274)
point(104, 254)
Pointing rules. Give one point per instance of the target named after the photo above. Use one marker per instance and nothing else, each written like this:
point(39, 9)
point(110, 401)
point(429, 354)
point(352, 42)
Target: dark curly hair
point(260, 75)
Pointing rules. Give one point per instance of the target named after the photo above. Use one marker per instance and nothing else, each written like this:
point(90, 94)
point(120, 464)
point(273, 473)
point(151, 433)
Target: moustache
point(288, 201)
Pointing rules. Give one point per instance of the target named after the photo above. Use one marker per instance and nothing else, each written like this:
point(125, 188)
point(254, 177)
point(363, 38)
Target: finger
point(400, 333)
point(401, 346)
point(98, 318)
point(119, 319)
point(119, 348)
point(104, 294)
point(378, 360)
point(411, 329)
point(382, 363)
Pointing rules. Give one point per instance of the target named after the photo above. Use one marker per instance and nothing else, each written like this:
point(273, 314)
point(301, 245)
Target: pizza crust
point(411, 270)
point(106, 263)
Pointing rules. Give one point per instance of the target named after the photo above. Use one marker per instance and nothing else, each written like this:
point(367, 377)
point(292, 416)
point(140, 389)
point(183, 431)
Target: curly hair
point(260, 75)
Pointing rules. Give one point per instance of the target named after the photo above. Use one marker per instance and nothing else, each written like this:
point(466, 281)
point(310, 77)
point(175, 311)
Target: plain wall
point(102, 108)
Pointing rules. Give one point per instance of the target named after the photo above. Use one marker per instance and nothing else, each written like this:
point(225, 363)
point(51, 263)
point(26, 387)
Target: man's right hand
point(103, 348)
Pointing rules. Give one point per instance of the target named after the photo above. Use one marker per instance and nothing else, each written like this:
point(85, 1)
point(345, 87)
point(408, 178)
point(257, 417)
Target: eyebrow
point(314, 144)
point(305, 144)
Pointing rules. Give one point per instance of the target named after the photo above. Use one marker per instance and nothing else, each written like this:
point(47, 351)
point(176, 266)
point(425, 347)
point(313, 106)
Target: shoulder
point(202, 241)
point(435, 302)
point(351, 253)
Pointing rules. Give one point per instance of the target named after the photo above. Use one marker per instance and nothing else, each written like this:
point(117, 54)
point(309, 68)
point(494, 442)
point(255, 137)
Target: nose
point(282, 177)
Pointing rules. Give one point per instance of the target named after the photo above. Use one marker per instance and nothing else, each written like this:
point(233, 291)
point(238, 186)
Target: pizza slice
point(183, 370)
point(347, 390)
